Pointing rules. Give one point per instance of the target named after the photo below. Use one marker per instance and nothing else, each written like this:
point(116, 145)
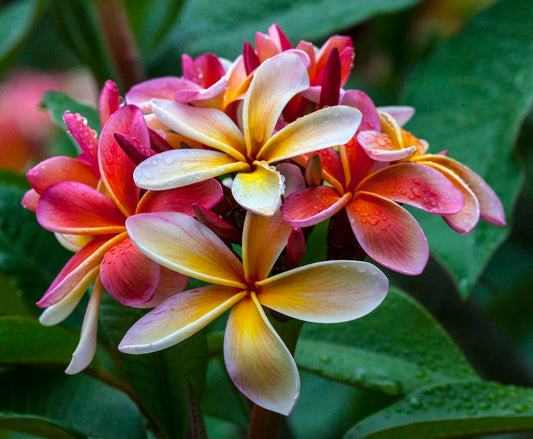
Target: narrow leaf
point(37, 426)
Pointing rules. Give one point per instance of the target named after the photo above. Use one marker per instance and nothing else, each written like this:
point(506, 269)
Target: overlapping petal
point(158, 88)
point(259, 191)
point(380, 147)
point(183, 244)
point(170, 283)
point(171, 169)
point(179, 317)
point(263, 240)
point(58, 312)
point(325, 292)
point(257, 361)
point(75, 208)
point(388, 233)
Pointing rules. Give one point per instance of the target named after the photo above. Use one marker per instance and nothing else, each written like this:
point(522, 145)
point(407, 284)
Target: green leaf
point(395, 349)
point(471, 98)
point(13, 178)
point(57, 103)
point(16, 22)
point(38, 426)
point(77, 402)
point(29, 255)
point(159, 380)
point(457, 410)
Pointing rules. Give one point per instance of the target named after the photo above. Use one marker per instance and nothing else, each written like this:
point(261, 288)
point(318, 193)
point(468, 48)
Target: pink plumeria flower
point(249, 152)
point(256, 358)
point(98, 215)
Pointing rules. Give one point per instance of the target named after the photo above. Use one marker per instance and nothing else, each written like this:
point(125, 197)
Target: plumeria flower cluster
point(248, 155)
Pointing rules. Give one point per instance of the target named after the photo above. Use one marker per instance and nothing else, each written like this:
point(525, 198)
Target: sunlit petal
point(388, 233)
point(325, 292)
point(263, 240)
point(76, 208)
point(257, 361)
point(313, 205)
point(181, 167)
point(284, 75)
point(259, 191)
point(179, 317)
point(415, 185)
point(183, 244)
point(205, 125)
point(380, 147)
point(158, 88)
point(211, 97)
point(321, 129)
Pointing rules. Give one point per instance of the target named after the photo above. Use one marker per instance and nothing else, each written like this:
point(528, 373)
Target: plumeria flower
point(97, 214)
point(249, 152)
point(394, 143)
point(256, 358)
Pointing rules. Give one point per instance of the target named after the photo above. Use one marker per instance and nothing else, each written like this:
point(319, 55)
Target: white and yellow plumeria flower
point(257, 186)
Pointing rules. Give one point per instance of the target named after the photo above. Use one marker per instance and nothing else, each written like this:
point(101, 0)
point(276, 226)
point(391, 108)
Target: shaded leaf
point(457, 410)
point(395, 349)
point(471, 98)
point(38, 426)
point(57, 103)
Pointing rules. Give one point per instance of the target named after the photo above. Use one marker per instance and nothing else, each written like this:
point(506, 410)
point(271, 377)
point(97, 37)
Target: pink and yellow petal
point(183, 244)
point(325, 292)
point(264, 238)
point(208, 126)
point(58, 312)
point(380, 147)
point(259, 191)
point(182, 167)
point(257, 360)
point(400, 113)
point(75, 208)
point(313, 205)
point(388, 233)
point(158, 88)
point(179, 317)
point(321, 129)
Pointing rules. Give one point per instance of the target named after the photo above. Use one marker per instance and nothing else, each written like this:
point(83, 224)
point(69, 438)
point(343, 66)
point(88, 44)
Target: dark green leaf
point(16, 21)
point(457, 410)
point(395, 349)
point(78, 402)
point(14, 179)
point(57, 103)
point(159, 380)
point(471, 98)
point(38, 426)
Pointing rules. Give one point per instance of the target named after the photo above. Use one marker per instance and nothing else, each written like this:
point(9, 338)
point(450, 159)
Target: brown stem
point(121, 42)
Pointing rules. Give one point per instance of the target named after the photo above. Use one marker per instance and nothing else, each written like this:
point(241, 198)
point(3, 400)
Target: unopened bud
point(313, 170)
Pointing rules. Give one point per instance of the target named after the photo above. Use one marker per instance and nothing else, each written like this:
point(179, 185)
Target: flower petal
point(181, 167)
point(263, 240)
point(293, 177)
point(75, 208)
point(209, 126)
point(86, 348)
point(129, 276)
point(401, 113)
point(84, 135)
point(206, 193)
point(210, 97)
point(259, 191)
point(115, 165)
point(361, 101)
point(257, 360)
point(380, 147)
point(183, 244)
point(388, 233)
point(170, 283)
point(158, 88)
point(415, 185)
point(55, 314)
point(321, 129)
point(325, 292)
point(489, 203)
point(108, 102)
point(80, 271)
point(179, 317)
point(30, 200)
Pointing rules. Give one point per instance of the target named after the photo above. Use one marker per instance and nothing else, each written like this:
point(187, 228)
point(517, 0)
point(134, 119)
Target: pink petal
point(75, 208)
point(415, 185)
point(380, 147)
point(345, 47)
point(294, 179)
point(356, 163)
point(182, 244)
point(158, 88)
point(223, 229)
point(80, 271)
point(361, 101)
point(178, 317)
point(129, 276)
point(296, 249)
point(115, 166)
point(388, 233)
point(84, 135)
point(209, 97)
point(402, 114)
point(58, 169)
point(207, 193)
point(264, 238)
point(30, 200)
point(257, 360)
point(325, 292)
point(108, 102)
point(170, 283)
point(266, 47)
point(313, 205)
point(84, 353)
point(205, 70)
